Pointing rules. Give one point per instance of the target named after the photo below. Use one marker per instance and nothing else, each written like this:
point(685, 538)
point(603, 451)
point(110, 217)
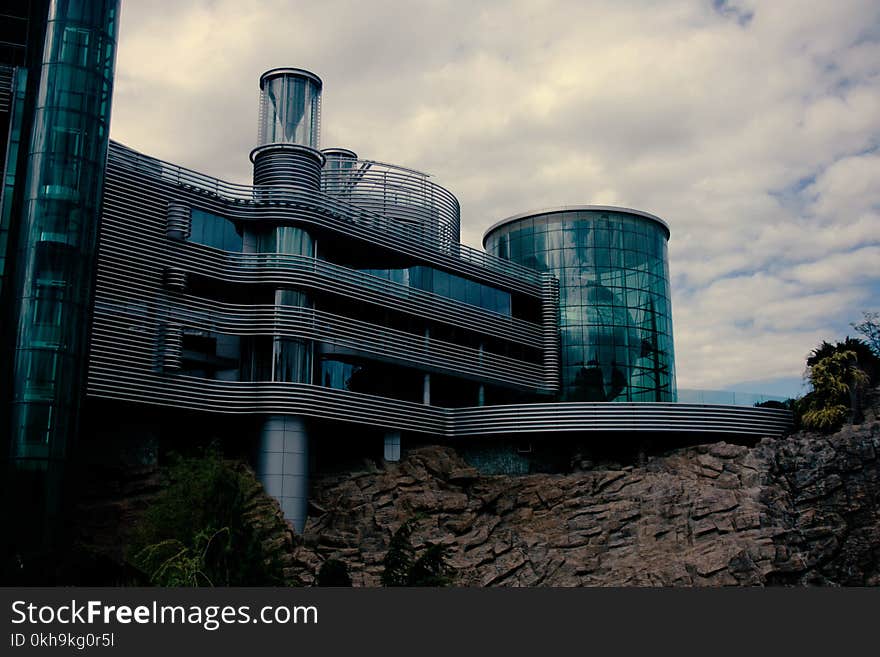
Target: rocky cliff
point(798, 510)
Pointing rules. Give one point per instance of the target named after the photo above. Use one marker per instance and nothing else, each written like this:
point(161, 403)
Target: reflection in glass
point(213, 230)
point(615, 312)
point(290, 105)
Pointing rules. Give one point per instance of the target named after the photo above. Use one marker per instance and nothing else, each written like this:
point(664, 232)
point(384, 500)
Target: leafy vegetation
point(867, 361)
point(869, 329)
point(838, 374)
point(786, 405)
point(404, 568)
point(432, 568)
point(197, 533)
point(399, 559)
point(171, 563)
point(333, 572)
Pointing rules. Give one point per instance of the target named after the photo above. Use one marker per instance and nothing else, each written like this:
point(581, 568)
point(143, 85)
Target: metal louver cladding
point(402, 194)
point(140, 304)
point(171, 347)
point(175, 279)
point(226, 397)
point(178, 221)
point(285, 166)
point(550, 338)
point(143, 176)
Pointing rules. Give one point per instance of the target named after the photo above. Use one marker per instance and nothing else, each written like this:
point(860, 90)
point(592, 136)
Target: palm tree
point(836, 378)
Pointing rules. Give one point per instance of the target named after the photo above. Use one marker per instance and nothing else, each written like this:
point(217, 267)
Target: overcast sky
point(752, 128)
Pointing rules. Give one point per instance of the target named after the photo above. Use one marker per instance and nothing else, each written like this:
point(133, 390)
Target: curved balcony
point(360, 337)
point(309, 273)
point(401, 194)
point(247, 203)
point(121, 382)
point(614, 417)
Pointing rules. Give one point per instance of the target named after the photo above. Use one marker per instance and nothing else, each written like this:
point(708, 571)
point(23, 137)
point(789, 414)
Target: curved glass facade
point(55, 257)
point(290, 108)
point(614, 303)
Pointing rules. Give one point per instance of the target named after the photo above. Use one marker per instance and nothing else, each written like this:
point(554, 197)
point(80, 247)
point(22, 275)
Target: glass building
point(329, 298)
point(57, 112)
point(615, 317)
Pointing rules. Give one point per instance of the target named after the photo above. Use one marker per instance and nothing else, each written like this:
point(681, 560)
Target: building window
point(75, 46)
point(63, 162)
point(214, 230)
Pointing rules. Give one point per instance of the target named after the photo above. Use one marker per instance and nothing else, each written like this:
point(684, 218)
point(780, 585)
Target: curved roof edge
point(287, 70)
point(338, 150)
point(572, 208)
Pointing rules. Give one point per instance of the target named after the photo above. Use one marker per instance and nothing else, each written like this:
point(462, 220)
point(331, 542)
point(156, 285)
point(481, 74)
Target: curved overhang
point(573, 208)
point(297, 72)
point(112, 378)
point(337, 151)
point(290, 148)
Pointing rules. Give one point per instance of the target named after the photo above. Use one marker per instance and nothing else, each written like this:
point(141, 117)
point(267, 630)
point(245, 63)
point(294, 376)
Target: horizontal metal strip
point(126, 259)
point(316, 208)
point(133, 299)
point(263, 319)
point(114, 382)
point(303, 323)
point(299, 399)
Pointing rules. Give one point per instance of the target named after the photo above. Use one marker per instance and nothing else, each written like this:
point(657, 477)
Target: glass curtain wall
point(448, 285)
point(212, 230)
point(56, 249)
point(615, 310)
point(291, 359)
point(290, 110)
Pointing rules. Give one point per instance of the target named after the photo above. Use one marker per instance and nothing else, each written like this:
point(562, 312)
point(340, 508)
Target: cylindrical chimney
point(287, 152)
point(290, 108)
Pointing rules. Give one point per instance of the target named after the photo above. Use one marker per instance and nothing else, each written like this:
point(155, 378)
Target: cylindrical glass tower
point(614, 301)
point(289, 133)
point(290, 107)
point(287, 164)
point(55, 257)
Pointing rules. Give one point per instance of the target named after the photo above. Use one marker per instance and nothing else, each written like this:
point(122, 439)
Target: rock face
point(798, 510)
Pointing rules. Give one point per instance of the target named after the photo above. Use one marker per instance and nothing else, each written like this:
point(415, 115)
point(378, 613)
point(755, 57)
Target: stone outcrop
point(799, 510)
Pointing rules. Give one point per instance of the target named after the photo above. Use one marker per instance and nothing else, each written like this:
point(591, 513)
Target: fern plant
point(171, 563)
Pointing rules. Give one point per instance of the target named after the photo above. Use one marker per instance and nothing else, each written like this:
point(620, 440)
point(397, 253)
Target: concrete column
point(283, 465)
point(392, 446)
point(426, 381)
point(426, 390)
point(481, 391)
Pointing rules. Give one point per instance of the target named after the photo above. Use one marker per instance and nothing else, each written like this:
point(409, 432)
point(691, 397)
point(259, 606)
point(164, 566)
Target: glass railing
point(695, 396)
point(351, 214)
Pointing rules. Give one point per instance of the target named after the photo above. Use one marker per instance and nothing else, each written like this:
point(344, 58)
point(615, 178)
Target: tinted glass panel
point(615, 312)
point(213, 230)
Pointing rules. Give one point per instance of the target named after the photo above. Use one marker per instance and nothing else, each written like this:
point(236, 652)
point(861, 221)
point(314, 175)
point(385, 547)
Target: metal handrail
point(319, 201)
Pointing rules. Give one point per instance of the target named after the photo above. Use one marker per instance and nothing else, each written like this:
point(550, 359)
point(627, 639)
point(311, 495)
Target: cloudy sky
point(751, 127)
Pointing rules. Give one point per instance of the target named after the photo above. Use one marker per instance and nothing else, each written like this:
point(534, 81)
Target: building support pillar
point(283, 465)
point(392, 446)
point(426, 390)
point(426, 380)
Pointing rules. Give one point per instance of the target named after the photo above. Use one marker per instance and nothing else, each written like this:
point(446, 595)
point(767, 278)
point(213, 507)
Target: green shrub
point(400, 556)
point(786, 405)
point(333, 572)
point(403, 568)
point(196, 532)
point(837, 380)
point(431, 568)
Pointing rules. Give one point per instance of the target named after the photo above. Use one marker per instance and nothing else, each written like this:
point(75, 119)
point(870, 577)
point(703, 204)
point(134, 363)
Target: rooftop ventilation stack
point(287, 152)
